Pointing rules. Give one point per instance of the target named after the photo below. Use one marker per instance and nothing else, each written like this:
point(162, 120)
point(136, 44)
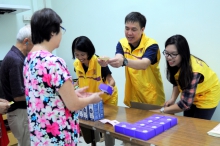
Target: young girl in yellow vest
point(91, 74)
point(197, 84)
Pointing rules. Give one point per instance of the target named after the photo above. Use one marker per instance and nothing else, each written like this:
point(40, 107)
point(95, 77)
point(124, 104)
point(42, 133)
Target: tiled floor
point(117, 143)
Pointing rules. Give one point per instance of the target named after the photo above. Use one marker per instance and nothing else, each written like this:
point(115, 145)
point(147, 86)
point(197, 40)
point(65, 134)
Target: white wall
point(103, 23)
point(11, 23)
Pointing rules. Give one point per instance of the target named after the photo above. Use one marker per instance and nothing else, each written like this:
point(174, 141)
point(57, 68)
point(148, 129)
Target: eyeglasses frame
point(64, 30)
point(168, 54)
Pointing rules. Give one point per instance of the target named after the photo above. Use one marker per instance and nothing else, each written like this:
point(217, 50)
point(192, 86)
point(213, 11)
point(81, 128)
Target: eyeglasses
point(168, 54)
point(63, 30)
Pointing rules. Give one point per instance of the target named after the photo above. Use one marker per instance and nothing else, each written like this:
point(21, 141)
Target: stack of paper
point(215, 131)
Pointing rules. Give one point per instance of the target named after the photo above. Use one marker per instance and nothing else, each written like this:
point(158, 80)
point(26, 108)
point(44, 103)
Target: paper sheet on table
point(215, 131)
point(112, 122)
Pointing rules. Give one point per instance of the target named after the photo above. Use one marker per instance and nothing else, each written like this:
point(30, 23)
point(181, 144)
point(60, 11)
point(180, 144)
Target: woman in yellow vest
point(193, 78)
point(91, 74)
point(88, 70)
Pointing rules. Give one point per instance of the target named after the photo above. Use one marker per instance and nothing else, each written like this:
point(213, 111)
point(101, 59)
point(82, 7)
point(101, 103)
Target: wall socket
point(26, 17)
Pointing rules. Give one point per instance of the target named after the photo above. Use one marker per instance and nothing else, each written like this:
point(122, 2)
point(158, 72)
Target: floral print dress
point(50, 122)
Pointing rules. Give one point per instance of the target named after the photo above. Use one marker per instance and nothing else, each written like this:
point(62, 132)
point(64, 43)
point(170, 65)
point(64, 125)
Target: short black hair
point(43, 23)
point(136, 17)
point(84, 44)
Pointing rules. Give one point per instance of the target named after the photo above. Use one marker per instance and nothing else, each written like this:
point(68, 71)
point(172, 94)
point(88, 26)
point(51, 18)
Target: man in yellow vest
point(140, 55)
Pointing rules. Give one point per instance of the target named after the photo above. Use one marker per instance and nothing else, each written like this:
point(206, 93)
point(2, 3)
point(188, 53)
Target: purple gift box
point(156, 116)
point(120, 128)
point(147, 128)
point(144, 133)
point(141, 123)
point(106, 88)
point(166, 124)
point(157, 127)
point(173, 120)
point(129, 130)
point(150, 119)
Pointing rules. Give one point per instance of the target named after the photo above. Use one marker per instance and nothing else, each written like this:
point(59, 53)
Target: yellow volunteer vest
point(93, 79)
point(144, 86)
point(207, 93)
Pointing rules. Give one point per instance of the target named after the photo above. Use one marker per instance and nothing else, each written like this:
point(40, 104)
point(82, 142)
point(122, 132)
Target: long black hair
point(185, 75)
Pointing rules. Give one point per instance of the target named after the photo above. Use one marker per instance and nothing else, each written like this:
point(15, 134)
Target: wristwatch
point(162, 110)
point(125, 62)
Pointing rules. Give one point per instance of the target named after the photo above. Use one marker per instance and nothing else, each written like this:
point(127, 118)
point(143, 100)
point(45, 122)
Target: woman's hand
point(95, 97)
point(81, 92)
point(169, 102)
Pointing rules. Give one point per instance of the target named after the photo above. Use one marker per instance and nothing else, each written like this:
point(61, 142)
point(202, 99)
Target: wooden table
point(188, 131)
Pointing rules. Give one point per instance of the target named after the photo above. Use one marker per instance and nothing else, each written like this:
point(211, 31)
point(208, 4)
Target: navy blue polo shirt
point(11, 75)
point(150, 53)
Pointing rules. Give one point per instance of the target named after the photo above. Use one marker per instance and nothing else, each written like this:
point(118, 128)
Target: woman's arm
point(187, 97)
point(110, 80)
point(72, 101)
point(174, 96)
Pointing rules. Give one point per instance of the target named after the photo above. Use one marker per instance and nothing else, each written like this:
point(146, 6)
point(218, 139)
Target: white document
point(112, 122)
point(215, 131)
